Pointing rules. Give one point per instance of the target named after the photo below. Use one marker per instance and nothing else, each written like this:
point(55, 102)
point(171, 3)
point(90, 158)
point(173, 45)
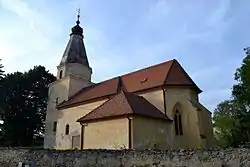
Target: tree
point(232, 117)
point(1, 70)
point(241, 91)
point(24, 101)
point(1, 110)
point(229, 128)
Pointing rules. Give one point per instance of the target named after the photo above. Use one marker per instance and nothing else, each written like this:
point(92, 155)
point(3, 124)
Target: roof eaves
point(85, 101)
point(160, 118)
point(104, 118)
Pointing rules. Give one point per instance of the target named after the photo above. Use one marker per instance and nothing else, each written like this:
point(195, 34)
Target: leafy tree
point(24, 101)
point(1, 70)
point(232, 117)
point(241, 91)
point(1, 110)
point(229, 128)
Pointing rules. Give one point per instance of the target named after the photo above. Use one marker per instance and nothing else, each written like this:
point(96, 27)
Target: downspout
point(82, 134)
point(130, 132)
point(164, 101)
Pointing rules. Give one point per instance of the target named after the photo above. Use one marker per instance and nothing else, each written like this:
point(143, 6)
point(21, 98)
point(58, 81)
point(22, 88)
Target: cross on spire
point(78, 17)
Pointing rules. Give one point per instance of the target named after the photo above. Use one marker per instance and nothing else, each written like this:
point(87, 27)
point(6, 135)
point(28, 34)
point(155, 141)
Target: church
point(156, 107)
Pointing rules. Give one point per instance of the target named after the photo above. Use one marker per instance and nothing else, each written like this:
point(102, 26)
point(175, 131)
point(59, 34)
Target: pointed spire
point(78, 17)
point(77, 30)
point(75, 51)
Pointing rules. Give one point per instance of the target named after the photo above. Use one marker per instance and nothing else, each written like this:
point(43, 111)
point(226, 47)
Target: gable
point(123, 104)
point(178, 76)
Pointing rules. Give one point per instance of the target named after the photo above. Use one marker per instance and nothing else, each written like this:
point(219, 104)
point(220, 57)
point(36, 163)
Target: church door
point(76, 142)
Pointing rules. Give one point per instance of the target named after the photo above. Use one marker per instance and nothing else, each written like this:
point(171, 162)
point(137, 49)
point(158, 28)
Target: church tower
point(73, 74)
point(74, 61)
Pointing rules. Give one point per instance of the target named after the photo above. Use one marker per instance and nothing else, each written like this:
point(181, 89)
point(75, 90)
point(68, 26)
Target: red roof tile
point(124, 104)
point(108, 87)
point(169, 73)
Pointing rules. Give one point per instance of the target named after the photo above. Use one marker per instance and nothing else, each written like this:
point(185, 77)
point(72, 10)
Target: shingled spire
point(75, 51)
point(75, 61)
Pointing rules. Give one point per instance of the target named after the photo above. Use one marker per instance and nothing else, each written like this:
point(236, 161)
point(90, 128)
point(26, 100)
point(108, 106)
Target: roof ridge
point(163, 74)
point(185, 73)
point(124, 105)
point(169, 70)
point(144, 100)
point(120, 85)
point(155, 65)
point(119, 77)
point(189, 77)
point(126, 97)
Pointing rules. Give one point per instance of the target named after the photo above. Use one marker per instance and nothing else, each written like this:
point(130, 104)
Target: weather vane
point(78, 16)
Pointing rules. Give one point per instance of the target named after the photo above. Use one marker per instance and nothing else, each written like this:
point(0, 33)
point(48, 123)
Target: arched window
point(178, 123)
point(67, 129)
point(54, 126)
point(60, 74)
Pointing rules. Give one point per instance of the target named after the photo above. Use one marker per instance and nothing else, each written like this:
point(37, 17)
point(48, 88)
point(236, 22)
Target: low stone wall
point(125, 158)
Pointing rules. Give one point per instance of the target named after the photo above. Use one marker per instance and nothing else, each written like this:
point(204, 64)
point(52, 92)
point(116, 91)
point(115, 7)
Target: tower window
point(57, 100)
point(67, 129)
point(54, 126)
point(178, 123)
point(60, 74)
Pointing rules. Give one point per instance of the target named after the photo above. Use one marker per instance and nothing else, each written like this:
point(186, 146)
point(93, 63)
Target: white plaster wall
point(176, 97)
point(61, 89)
point(78, 70)
point(156, 98)
point(76, 84)
point(70, 116)
point(108, 134)
point(58, 89)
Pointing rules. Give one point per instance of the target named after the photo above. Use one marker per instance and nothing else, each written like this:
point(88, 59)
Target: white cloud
point(25, 37)
point(218, 15)
point(37, 34)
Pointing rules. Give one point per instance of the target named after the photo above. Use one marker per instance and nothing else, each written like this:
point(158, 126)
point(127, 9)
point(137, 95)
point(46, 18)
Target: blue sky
point(207, 37)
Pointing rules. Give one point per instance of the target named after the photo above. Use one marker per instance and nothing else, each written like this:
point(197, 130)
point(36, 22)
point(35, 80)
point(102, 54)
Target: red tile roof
point(124, 104)
point(169, 73)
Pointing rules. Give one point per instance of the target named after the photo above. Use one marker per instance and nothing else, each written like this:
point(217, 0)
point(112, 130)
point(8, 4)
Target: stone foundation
point(125, 158)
